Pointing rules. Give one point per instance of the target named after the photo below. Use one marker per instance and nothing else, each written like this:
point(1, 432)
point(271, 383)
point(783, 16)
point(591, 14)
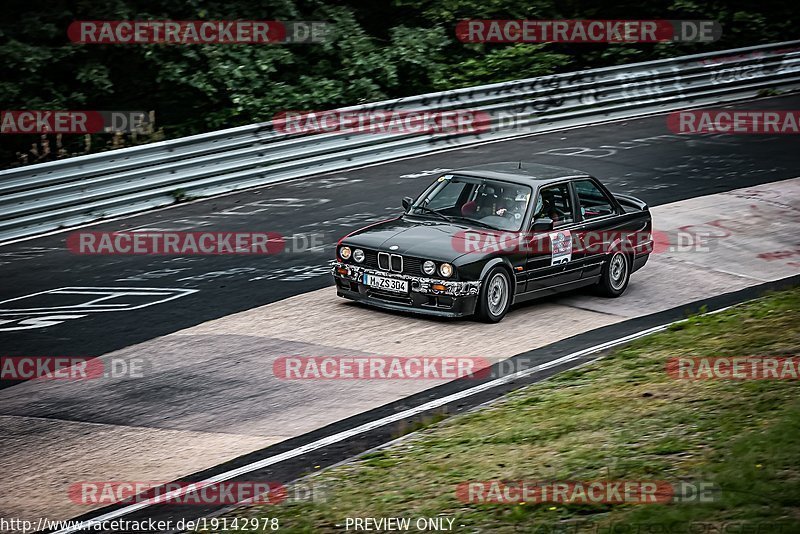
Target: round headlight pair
point(445, 269)
point(357, 254)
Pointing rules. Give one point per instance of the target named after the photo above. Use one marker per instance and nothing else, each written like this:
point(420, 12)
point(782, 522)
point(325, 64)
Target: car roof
point(534, 174)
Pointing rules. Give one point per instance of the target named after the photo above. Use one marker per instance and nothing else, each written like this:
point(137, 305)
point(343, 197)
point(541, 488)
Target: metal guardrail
point(74, 191)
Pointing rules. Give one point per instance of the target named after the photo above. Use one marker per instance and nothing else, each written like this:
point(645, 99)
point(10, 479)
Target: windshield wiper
point(434, 212)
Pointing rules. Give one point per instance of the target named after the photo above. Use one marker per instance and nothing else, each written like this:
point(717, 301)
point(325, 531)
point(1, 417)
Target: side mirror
point(542, 225)
point(407, 201)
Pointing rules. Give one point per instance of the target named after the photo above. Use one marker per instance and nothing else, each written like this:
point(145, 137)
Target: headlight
point(358, 255)
point(344, 253)
point(446, 270)
point(429, 267)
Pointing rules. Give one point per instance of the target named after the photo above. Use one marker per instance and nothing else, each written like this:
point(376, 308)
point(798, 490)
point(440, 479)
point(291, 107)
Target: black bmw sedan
point(482, 238)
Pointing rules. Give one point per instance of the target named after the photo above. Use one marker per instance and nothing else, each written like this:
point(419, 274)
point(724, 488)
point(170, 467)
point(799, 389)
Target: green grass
point(619, 418)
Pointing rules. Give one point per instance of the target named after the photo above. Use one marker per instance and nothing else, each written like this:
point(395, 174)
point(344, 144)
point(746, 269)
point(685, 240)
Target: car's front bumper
point(458, 298)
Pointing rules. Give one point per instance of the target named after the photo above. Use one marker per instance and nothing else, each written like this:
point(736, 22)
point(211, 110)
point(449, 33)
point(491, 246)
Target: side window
point(593, 202)
point(554, 202)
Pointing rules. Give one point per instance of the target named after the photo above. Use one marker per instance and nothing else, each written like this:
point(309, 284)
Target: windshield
point(476, 201)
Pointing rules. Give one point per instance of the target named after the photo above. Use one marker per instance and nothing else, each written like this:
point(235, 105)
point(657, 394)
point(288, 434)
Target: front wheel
point(495, 296)
point(616, 275)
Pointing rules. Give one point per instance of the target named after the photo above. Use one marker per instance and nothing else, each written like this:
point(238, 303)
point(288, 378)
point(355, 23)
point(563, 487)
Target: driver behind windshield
point(501, 206)
point(513, 205)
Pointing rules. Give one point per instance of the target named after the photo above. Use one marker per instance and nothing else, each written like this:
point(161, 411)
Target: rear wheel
point(616, 275)
point(495, 296)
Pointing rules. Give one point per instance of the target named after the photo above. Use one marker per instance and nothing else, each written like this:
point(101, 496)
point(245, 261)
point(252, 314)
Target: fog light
point(429, 267)
point(358, 255)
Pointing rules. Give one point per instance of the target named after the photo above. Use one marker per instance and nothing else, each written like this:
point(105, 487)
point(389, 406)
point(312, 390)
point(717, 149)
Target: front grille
point(386, 261)
point(390, 262)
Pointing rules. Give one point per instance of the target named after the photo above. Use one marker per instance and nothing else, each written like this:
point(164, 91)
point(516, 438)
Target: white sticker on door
point(561, 247)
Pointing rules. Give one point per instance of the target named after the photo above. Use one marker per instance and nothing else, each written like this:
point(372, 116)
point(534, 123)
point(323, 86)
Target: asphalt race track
point(208, 327)
point(640, 157)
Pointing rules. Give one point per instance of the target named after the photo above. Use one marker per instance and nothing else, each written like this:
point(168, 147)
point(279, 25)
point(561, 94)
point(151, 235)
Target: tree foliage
point(380, 50)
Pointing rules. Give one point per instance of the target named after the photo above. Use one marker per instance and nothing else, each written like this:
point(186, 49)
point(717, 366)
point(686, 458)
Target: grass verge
point(621, 418)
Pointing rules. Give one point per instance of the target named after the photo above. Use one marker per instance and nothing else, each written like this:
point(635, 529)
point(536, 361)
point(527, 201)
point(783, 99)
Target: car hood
point(421, 238)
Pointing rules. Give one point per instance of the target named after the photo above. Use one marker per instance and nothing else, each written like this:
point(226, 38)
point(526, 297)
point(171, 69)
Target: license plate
point(387, 284)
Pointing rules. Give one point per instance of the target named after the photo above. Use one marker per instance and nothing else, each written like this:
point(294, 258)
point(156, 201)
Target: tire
point(615, 276)
point(494, 299)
